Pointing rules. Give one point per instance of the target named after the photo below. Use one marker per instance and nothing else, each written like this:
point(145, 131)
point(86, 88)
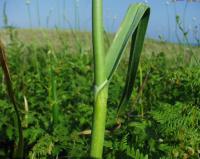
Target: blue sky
point(77, 14)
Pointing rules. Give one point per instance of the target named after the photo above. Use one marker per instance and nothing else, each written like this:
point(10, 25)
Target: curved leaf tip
point(134, 25)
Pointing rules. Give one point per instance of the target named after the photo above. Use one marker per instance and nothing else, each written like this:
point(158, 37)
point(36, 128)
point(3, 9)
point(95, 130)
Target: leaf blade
point(135, 25)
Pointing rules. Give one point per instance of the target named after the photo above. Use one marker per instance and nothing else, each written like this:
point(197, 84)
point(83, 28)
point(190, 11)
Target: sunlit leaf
point(133, 26)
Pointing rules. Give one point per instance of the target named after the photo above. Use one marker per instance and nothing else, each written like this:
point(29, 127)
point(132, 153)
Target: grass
point(171, 83)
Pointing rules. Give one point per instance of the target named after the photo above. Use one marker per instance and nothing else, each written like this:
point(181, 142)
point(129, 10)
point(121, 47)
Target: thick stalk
point(101, 90)
point(99, 121)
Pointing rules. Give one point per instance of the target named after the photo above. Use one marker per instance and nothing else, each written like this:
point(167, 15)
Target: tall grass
point(53, 89)
point(29, 12)
point(64, 12)
point(5, 17)
point(76, 15)
point(105, 64)
point(58, 13)
point(48, 18)
point(38, 12)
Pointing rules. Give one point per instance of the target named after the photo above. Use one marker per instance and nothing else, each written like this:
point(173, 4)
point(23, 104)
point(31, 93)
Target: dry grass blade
point(3, 61)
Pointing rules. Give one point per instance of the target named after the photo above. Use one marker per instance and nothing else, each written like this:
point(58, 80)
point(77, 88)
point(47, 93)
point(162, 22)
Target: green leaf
point(135, 25)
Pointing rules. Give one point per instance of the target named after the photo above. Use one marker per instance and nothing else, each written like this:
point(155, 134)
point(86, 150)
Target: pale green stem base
point(99, 121)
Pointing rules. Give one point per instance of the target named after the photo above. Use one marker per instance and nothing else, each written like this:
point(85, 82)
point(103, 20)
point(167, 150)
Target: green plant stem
point(5, 17)
point(98, 42)
point(55, 109)
point(101, 90)
point(99, 121)
point(38, 13)
point(29, 15)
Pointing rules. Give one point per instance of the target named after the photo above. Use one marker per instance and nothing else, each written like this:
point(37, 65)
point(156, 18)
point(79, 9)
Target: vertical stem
point(5, 17)
point(100, 104)
point(98, 41)
point(76, 14)
point(64, 13)
point(58, 13)
point(99, 121)
point(29, 14)
point(38, 13)
point(53, 90)
point(55, 109)
point(168, 23)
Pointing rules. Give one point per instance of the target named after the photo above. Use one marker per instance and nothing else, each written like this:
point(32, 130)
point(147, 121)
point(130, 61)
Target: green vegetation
point(160, 121)
point(18, 152)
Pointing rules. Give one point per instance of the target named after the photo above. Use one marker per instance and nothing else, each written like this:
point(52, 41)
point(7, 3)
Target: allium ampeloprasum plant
point(18, 151)
point(134, 25)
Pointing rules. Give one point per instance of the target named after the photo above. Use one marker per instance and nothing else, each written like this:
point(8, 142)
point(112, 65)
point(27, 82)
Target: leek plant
point(134, 25)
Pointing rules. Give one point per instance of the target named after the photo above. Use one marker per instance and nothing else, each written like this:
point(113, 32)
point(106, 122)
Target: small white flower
point(160, 140)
